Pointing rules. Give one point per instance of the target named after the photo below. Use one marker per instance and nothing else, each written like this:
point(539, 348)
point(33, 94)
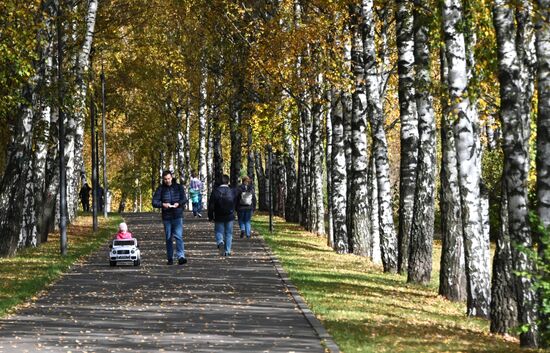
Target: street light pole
point(270, 191)
point(105, 186)
point(93, 118)
point(62, 170)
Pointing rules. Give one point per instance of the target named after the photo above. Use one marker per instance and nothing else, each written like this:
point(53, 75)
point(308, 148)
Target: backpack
point(225, 202)
point(246, 198)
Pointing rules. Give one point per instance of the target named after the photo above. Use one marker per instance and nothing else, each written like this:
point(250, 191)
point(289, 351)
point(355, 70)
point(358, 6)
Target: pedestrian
point(195, 193)
point(85, 197)
point(221, 210)
point(123, 232)
point(246, 204)
point(100, 198)
point(170, 197)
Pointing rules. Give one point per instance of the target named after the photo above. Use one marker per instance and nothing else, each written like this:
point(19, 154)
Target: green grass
point(32, 269)
point(366, 310)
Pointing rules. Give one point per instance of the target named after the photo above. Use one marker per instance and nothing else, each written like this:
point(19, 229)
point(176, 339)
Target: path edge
point(326, 339)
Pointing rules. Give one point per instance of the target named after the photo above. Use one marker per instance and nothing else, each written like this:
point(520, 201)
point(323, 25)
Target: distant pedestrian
point(170, 197)
point(246, 204)
point(195, 194)
point(100, 198)
point(221, 210)
point(85, 197)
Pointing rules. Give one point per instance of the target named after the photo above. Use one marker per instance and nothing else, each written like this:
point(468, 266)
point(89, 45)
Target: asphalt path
point(240, 303)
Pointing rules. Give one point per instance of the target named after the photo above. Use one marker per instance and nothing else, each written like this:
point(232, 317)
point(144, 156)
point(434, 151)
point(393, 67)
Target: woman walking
point(246, 204)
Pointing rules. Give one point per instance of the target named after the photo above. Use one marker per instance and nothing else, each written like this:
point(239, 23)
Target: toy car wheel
point(112, 263)
point(137, 262)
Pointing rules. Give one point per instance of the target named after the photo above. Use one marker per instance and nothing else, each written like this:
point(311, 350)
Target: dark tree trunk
point(261, 183)
point(304, 168)
point(504, 311)
point(217, 158)
point(250, 155)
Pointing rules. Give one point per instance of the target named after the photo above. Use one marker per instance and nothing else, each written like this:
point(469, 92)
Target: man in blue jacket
point(170, 197)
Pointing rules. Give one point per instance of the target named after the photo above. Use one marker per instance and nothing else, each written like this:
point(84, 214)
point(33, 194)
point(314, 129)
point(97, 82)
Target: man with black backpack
point(221, 210)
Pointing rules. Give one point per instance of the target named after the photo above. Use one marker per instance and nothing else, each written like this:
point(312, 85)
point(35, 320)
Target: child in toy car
point(124, 247)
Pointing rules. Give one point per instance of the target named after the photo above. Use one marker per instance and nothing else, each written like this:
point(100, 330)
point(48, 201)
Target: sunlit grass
point(366, 310)
point(32, 269)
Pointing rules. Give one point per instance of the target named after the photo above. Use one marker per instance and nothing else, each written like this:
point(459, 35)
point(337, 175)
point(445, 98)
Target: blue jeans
point(174, 228)
point(224, 234)
point(244, 221)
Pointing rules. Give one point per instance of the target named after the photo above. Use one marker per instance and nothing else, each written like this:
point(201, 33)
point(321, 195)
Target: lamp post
point(105, 186)
point(62, 170)
point(95, 184)
point(270, 191)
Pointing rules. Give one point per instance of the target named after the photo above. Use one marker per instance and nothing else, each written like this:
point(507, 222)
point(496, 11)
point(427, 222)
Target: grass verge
point(366, 310)
point(32, 269)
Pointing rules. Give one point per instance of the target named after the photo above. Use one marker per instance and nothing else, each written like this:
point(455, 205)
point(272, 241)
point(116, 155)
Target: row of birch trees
point(305, 96)
point(370, 123)
point(51, 65)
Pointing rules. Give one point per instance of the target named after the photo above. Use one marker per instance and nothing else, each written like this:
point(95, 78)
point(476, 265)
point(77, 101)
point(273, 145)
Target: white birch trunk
point(318, 206)
point(452, 275)
point(203, 160)
point(409, 127)
point(516, 161)
point(75, 162)
point(328, 168)
point(388, 236)
point(339, 176)
point(466, 134)
point(422, 229)
point(13, 186)
point(291, 214)
point(357, 206)
point(376, 251)
point(42, 129)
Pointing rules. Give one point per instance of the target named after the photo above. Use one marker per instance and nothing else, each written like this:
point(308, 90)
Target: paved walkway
point(211, 304)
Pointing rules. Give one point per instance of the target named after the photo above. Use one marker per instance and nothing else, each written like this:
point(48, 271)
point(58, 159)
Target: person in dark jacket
point(221, 210)
point(85, 197)
point(170, 197)
point(246, 204)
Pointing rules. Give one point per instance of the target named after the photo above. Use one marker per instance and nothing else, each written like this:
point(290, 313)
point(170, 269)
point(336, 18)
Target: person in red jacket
point(123, 232)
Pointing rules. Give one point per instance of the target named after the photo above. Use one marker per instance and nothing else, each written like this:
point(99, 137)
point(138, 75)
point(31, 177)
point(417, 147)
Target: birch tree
point(75, 144)
point(516, 160)
point(316, 179)
point(466, 135)
point(452, 275)
point(202, 118)
point(357, 204)
point(409, 127)
point(422, 229)
point(290, 165)
point(388, 236)
point(338, 176)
